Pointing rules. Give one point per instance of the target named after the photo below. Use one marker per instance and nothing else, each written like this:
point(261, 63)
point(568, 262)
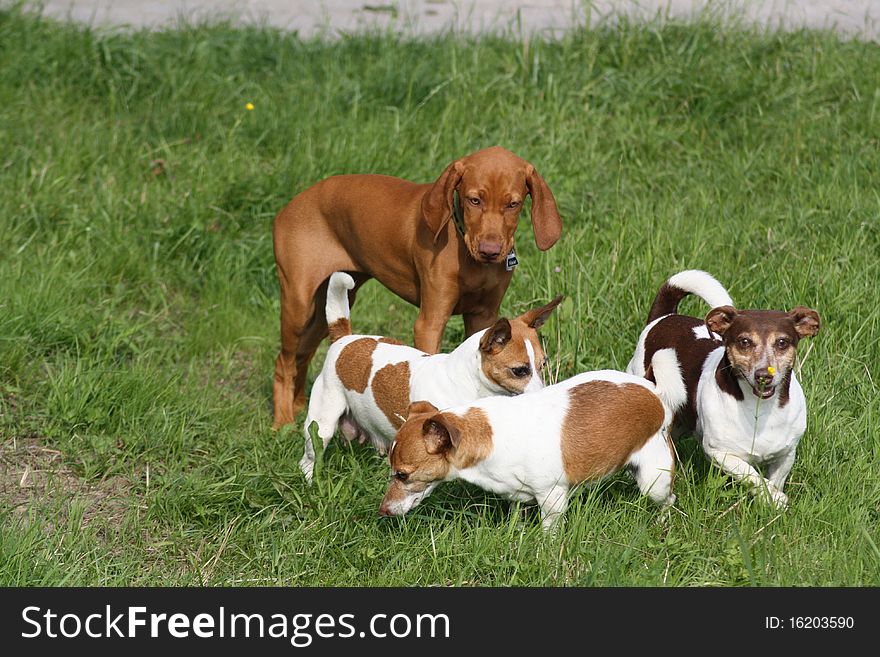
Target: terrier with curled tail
point(743, 398)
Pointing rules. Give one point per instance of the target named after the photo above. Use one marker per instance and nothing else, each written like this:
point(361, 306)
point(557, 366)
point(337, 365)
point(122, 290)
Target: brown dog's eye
point(745, 343)
point(782, 343)
point(474, 201)
point(401, 476)
point(513, 204)
point(520, 372)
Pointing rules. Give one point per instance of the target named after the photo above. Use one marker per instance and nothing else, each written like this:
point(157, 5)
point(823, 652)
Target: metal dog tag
point(511, 260)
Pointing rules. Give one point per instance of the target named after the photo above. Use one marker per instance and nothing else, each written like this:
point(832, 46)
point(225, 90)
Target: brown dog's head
point(492, 185)
point(429, 448)
point(761, 344)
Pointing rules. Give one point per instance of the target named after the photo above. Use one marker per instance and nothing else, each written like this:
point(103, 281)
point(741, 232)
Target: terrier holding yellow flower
point(744, 399)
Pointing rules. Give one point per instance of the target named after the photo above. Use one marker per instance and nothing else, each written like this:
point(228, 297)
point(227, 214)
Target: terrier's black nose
point(763, 376)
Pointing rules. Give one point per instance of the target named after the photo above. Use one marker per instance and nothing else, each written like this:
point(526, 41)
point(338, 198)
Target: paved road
point(860, 18)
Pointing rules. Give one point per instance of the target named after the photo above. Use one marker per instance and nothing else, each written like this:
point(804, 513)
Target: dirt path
point(859, 18)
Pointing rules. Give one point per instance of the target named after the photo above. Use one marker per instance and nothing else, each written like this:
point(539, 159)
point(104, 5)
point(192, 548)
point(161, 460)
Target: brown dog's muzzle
point(490, 250)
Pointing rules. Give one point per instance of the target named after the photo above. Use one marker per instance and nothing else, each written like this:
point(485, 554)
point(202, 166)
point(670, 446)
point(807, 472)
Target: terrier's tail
point(670, 383)
point(337, 308)
point(691, 281)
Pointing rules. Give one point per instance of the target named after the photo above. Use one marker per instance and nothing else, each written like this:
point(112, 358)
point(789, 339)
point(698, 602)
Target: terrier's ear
point(806, 321)
point(441, 433)
point(420, 407)
point(496, 337)
point(536, 317)
point(719, 319)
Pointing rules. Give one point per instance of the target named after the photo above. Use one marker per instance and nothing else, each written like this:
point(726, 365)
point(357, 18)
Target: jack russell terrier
point(537, 446)
point(367, 382)
point(743, 397)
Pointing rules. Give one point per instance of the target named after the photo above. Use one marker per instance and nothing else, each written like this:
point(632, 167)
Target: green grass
point(139, 305)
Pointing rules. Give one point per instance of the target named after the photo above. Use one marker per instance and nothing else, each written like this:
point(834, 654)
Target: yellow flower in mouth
point(771, 370)
point(249, 106)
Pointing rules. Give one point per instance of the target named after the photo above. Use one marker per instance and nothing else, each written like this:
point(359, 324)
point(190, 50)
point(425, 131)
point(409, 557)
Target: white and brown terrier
point(367, 382)
point(744, 399)
point(537, 446)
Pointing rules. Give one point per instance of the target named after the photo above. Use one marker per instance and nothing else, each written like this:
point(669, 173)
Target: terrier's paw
point(307, 466)
point(773, 496)
point(780, 499)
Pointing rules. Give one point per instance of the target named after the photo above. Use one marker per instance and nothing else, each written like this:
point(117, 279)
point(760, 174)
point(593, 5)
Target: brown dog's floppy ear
point(536, 317)
point(719, 319)
point(546, 222)
point(806, 321)
point(441, 433)
point(496, 337)
point(420, 407)
point(437, 202)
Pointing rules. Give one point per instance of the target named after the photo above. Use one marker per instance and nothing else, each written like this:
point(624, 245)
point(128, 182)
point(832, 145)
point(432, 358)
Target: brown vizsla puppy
point(400, 233)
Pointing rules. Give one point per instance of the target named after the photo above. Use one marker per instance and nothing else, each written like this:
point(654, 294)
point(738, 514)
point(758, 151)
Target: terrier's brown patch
point(339, 329)
point(391, 391)
point(390, 341)
point(355, 363)
point(477, 439)
point(604, 424)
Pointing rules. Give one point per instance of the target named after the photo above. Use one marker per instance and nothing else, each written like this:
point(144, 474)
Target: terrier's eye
point(401, 476)
point(745, 343)
point(513, 204)
point(474, 200)
point(520, 372)
point(782, 343)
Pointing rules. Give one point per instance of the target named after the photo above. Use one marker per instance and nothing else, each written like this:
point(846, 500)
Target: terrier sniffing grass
point(743, 397)
point(537, 446)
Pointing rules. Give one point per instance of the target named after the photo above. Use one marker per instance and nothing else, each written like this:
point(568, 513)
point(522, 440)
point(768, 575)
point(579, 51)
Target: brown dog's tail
point(337, 308)
point(690, 281)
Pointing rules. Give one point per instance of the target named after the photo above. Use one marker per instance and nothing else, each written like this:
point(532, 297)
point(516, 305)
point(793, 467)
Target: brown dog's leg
point(302, 308)
point(433, 316)
point(298, 347)
point(428, 337)
point(311, 337)
point(293, 314)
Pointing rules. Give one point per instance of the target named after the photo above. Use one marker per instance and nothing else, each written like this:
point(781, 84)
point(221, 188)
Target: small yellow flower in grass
point(771, 370)
point(249, 106)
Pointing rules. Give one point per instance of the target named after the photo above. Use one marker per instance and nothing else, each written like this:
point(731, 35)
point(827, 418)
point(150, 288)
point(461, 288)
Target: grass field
point(139, 305)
